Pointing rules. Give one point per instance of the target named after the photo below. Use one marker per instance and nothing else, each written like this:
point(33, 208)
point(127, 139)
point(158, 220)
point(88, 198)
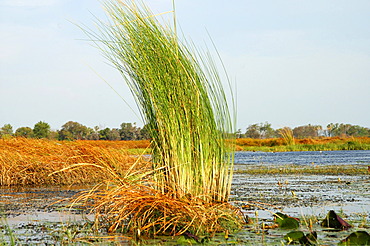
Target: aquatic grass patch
point(357, 169)
point(7, 235)
point(56, 233)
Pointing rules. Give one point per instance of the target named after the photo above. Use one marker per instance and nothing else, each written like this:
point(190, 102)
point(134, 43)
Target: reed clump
point(181, 100)
point(287, 135)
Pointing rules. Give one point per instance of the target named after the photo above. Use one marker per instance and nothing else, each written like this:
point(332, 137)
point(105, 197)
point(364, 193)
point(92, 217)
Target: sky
point(290, 62)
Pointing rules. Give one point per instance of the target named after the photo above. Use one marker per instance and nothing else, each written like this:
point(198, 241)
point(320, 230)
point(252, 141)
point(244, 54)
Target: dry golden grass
point(240, 142)
point(124, 200)
point(36, 161)
point(328, 143)
point(334, 140)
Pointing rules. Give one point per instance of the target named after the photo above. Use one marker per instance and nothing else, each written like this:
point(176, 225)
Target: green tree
point(129, 131)
point(25, 132)
point(41, 130)
point(113, 135)
point(54, 135)
point(333, 130)
point(144, 132)
point(104, 133)
point(93, 133)
point(358, 131)
point(6, 130)
point(239, 134)
point(253, 131)
point(307, 131)
point(73, 131)
point(261, 130)
point(266, 130)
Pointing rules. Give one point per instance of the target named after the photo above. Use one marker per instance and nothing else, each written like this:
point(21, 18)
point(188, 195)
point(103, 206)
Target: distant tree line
point(129, 131)
point(75, 131)
point(264, 130)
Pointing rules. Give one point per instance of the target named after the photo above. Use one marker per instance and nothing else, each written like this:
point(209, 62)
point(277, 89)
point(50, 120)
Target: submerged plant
point(181, 99)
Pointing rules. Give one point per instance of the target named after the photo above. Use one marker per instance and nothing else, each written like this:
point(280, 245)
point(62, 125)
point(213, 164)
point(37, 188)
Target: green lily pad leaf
point(286, 222)
point(183, 240)
point(332, 220)
point(294, 236)
point(279, 217)
point(301, 238)
point(357, 238)
point(289, 223)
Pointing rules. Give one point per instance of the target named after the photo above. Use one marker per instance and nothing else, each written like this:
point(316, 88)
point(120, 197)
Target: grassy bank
point(307, 144)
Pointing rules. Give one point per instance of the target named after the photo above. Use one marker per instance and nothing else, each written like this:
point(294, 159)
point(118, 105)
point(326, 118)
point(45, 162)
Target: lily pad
point(301, 238)
point(357, 238)
point(286, 222)
point(294, 236)
point(289, 223)
point(183, 240)
point(279, 217)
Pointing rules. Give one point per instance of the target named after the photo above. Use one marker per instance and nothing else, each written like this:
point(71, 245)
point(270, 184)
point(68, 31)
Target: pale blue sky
point(293, 62)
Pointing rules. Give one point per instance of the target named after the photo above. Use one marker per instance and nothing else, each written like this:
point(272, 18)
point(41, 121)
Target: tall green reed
point(180, 96)
point(287, 135)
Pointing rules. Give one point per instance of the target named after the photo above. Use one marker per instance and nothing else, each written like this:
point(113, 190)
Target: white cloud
point(28, 3)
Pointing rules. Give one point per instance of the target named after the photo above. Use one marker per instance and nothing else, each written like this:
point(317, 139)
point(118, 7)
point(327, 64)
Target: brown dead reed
point(136, 208)
point(37, 161)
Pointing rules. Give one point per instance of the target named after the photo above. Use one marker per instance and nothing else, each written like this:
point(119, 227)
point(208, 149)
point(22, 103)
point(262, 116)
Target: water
point(302, 195)
point(296, 195)
point(312, 193)
point(352, 157)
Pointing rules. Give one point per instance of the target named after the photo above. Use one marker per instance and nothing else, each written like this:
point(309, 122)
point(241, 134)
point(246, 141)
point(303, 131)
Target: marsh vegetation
point(262, 185)
point(178, 184)
point(183, 104)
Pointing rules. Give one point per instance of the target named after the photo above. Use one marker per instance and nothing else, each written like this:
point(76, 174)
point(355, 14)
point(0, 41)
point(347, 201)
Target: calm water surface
point(311, 192)
point(352, 157)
